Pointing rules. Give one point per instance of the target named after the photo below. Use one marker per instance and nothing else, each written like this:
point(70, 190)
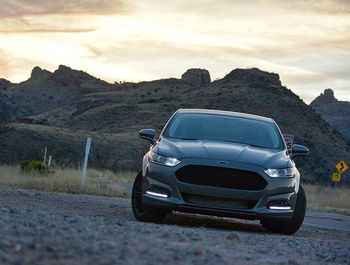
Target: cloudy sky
point(306, 42)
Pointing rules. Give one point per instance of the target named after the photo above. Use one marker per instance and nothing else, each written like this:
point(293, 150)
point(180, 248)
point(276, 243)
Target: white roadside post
point(87, 151)
point(45, 153)
point(50, 160)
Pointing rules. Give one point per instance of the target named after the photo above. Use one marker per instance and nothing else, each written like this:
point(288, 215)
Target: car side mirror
point(299, 150)
point(148, 134)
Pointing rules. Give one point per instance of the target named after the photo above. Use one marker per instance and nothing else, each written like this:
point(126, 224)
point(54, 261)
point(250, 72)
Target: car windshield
point(193, 126)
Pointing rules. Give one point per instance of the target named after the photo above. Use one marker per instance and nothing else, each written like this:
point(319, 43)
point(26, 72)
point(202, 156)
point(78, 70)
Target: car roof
point(225, 113)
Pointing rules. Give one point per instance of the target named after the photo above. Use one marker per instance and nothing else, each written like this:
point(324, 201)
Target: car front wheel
point(292, 226)
point(142, 212)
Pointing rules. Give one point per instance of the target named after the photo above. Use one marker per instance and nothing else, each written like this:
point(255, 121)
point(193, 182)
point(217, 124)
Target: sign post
point(289, 139)
point(336, 177)
point(342, 167)
point(87, 151)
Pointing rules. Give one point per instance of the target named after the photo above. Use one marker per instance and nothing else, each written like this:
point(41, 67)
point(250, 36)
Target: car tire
point(292, 226)
point(142, 212)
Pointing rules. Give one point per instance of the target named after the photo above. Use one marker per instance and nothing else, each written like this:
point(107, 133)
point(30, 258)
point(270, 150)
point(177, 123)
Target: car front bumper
point(163, 177)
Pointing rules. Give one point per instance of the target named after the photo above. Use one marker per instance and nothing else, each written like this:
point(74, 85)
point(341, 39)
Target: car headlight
point(162, 160)
point(281, 173)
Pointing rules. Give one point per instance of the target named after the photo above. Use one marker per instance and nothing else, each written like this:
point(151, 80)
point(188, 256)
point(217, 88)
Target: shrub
point(34, 166)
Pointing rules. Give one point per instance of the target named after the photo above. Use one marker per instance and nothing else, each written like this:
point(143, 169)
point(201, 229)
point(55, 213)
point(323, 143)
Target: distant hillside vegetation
point(335, 112)
point(64, 107)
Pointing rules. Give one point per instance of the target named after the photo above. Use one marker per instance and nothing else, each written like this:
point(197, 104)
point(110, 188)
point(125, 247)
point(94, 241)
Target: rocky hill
point(67, 105)
point(9, 109)
point(4, 84)
point(45, 91)
point(335, 112)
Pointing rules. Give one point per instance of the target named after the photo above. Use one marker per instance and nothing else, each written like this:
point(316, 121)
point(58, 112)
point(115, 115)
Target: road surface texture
point(54, 228)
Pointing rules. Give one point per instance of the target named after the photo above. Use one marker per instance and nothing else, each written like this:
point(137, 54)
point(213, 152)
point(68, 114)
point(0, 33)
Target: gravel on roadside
point(53, 228)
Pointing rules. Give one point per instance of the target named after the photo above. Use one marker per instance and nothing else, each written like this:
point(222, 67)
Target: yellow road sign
point(336, 177)
point(342, 166)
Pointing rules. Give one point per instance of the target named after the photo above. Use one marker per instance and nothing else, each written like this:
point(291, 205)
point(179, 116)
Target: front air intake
point(222, 177)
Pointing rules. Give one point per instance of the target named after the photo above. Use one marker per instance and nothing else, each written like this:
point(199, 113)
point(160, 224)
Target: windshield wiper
point(254, 145)
point(192, 139)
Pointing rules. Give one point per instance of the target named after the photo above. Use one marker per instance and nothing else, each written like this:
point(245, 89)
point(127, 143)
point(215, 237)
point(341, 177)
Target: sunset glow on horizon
point(306, 42)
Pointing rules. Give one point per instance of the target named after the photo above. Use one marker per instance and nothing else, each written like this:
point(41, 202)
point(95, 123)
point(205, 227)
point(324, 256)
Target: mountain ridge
point(334, 111)
point(112, 114)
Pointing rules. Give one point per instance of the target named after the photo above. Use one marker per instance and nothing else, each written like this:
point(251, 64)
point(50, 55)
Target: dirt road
point(53, 228)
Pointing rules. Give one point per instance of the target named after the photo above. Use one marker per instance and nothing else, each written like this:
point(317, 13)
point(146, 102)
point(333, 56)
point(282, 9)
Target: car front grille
point(221, 177)
point(216, 202)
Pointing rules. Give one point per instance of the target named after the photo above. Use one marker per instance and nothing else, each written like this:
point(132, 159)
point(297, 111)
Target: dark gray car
point(224, 164)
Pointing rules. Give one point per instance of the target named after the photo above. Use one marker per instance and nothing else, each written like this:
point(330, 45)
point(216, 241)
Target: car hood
point(226, 151)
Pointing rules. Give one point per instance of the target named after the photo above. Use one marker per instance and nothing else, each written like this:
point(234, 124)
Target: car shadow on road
point(196, 220)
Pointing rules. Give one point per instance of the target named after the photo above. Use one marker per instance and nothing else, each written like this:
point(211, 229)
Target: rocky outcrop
point(67, 74)
point(253, 75)
point(45, 91)
point(38, 73)
point(197, 77)
point(326, 97)
point(4, 84)
point(335, 112)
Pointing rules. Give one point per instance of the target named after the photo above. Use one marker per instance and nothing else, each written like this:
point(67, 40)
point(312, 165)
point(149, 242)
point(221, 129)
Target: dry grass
point(105, 183)
point(324, 198)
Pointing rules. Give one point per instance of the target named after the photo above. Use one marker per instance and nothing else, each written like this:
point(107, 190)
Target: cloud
point(334, 7)
point(19, 8)
point(94, 51)
point(46, 24)
point(46, 30)
point(218, 9)
point(306, 42)
point(64, 16)
point(4, 64)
